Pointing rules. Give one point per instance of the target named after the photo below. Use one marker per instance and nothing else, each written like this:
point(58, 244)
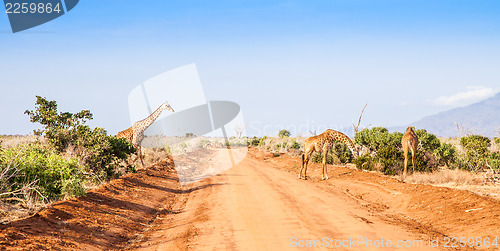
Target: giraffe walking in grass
point(135, 133)
point(323, 143)
point(409, 142)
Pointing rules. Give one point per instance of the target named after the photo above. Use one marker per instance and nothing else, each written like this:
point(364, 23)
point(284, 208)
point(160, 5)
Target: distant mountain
point(479, 118)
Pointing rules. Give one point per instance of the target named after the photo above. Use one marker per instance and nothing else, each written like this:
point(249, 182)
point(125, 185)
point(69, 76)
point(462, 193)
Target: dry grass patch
point(153, 156)
point(457, 179)
point(445, 177)
point(9, 141)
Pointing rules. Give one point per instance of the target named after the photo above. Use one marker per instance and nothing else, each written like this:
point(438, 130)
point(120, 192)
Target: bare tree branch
point(458, 129)
point(359, 120)
point(238, 131)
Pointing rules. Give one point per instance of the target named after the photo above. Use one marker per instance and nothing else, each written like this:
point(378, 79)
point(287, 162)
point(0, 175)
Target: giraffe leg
point(413, 160)
point(306, 161)
point(137, 152)
point(324, 175)
point(405, 152)
point(302, 167)
point(140, 156)
point(305, 170)
point(136, 157)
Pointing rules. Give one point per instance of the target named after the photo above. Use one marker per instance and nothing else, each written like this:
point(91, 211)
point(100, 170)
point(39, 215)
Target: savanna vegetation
point(63, 158)
point(383, 151)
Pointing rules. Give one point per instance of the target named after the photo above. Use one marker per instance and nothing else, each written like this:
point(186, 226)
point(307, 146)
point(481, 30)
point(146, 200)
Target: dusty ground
point(258, 205)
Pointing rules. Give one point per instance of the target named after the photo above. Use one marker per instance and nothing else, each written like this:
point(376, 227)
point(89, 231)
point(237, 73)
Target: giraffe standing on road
point(135, 133)
point(323, 143)
point(409, 142)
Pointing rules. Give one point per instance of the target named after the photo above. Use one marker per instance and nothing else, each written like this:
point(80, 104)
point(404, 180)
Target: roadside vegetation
point(61, 160)
point(383, 152)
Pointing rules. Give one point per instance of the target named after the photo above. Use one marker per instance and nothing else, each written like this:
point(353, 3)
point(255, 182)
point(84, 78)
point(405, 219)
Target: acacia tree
point(59, 128)
point(99, 152)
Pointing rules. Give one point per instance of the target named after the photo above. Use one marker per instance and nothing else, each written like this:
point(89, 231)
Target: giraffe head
point(166, 106)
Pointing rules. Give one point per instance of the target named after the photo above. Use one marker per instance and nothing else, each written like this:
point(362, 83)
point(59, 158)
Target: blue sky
point(302, 64)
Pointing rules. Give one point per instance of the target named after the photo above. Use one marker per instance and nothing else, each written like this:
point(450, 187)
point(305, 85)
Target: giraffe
point(135, 133)
point(409, 142)
point(323, 143)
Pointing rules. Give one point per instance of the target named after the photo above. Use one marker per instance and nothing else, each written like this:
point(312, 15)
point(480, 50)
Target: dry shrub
point(153, 155)
point(10, 212)
point(292, 145)
point(455, 177)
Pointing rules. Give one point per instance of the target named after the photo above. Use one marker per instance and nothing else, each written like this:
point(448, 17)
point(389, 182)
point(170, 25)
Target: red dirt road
point(258, 205)
point(255, 207)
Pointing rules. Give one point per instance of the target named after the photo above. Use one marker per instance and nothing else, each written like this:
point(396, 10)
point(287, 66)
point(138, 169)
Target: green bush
point(284, 133)
point(100, 153)
point(342, 152)
point(377, 137)
point(428, 141)
point(388, 149)
point(51, 174)
point(388, 157)
point(391, 159)
point(477, 143)
point(476, 151)
point(295, 145)
point(318, 158)
point(254, 141)
point(365, 162)
point(426, 158)
point(386, 146)
point(425, 161)
point(339, 151)
point(494, 160)
point(446, 154)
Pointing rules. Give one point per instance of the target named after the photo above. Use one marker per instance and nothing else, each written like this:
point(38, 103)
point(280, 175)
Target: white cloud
point(472, 95)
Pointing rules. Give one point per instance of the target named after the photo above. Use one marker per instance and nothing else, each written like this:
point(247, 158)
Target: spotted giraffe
point(135, 133)
point(323, 143)
point(409, 142)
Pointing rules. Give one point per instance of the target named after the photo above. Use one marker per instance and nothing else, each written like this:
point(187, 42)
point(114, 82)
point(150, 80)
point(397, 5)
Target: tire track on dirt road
point(256, 207)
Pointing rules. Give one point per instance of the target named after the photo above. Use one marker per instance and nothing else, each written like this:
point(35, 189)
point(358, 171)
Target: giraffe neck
point(347, 141)
point(341, 137)
point(145, 123)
